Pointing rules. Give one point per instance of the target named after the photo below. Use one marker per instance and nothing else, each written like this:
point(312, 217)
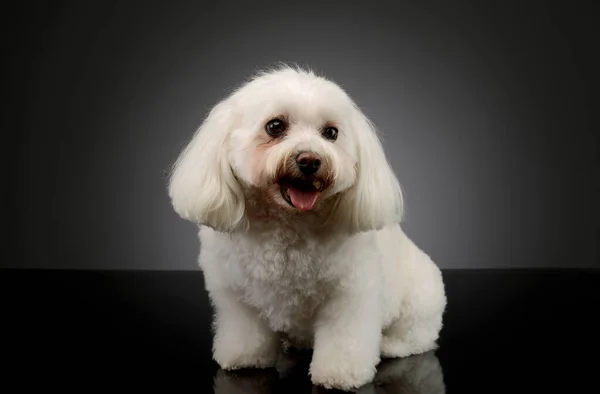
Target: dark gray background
point(490, 111)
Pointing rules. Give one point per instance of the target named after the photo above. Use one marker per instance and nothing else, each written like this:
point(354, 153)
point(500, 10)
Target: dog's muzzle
point(303, 181)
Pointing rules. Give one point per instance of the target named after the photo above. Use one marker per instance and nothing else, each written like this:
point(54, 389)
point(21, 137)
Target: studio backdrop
point(488, 114)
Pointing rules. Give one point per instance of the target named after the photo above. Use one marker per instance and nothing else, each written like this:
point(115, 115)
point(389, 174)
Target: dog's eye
point(331, 133)
point(275, 127)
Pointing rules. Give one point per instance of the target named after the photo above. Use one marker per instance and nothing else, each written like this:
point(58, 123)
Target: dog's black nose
point(308, 162)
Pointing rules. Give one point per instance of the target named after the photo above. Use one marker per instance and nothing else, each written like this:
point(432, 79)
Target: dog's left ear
point(376, 199)
point(202, 186)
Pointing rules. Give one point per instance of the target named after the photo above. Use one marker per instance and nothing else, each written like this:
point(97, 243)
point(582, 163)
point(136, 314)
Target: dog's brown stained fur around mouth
point(289, 175)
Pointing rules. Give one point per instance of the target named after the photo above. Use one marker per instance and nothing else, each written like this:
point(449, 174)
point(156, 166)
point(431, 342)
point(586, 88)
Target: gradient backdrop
point(490, 111)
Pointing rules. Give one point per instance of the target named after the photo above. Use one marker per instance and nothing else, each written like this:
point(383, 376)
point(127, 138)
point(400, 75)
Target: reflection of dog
point(245, 382)
point(299, 216)
point(419, 374)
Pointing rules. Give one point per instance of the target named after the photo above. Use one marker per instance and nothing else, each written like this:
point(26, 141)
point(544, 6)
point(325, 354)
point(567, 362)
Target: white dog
point(299, 214)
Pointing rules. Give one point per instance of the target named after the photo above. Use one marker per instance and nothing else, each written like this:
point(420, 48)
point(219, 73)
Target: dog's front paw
point(232, 359)
point(341, 370)
point(253, 352)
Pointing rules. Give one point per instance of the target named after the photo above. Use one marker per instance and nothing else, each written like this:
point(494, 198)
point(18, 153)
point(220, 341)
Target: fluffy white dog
point(299, 212)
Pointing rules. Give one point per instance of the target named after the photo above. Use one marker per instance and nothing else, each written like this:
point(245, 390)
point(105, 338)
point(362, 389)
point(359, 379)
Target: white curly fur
point(342, 277)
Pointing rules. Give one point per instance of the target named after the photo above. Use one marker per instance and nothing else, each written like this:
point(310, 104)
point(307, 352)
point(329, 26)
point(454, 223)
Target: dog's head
point(292, 143)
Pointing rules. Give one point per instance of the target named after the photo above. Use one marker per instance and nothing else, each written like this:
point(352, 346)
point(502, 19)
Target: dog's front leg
point(241, 339)
point(348, 336)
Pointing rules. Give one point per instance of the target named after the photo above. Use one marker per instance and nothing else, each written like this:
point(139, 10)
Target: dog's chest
point(285, 279)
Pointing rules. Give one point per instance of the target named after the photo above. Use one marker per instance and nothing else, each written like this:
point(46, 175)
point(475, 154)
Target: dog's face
point(292, 140)
point(297, 139)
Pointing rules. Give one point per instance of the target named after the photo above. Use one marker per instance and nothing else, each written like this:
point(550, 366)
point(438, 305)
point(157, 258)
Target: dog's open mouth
point(301, 194)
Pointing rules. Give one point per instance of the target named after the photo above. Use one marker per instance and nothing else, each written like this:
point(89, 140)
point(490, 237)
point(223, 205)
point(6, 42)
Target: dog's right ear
point(202, 186)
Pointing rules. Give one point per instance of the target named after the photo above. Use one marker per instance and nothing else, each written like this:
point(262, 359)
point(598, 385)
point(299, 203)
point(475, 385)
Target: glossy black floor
point(505, 331)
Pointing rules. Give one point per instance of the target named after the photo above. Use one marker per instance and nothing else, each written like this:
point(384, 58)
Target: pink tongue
point(303, 200)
